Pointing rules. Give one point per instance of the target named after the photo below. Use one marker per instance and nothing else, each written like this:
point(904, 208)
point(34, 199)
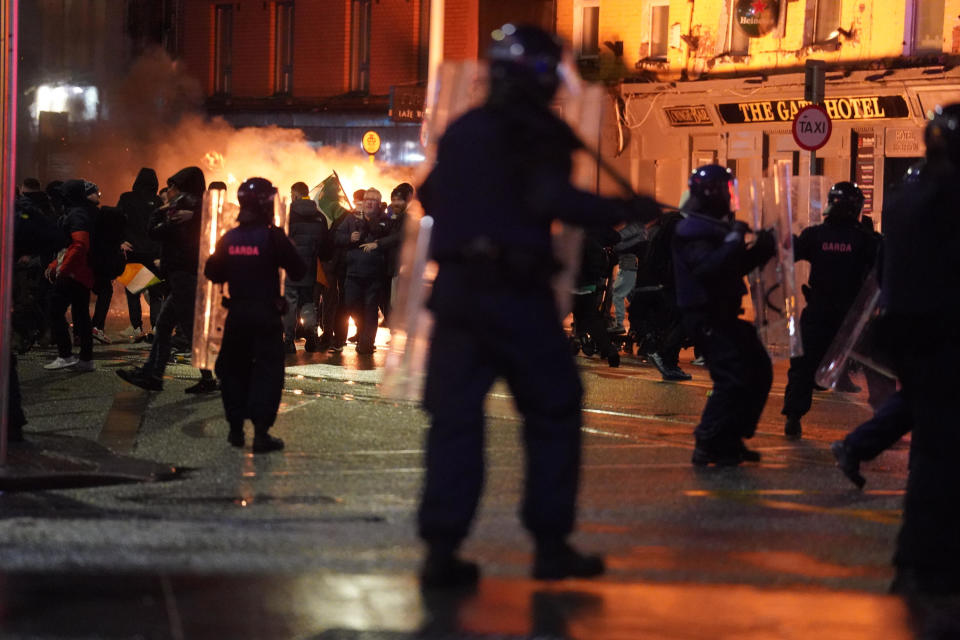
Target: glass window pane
point(828, 19)
point(929, 26)
point(590, 32)
point(659, 27)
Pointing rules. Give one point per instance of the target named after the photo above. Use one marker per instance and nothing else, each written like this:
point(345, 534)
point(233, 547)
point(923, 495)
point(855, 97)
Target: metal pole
point(8, 148)
point(435, 56)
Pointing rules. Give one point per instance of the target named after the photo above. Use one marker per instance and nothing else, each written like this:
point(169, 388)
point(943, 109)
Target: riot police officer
point(710, 261)
point(841, 253)
point(251, 360)
point(495, 312)
point(920, 282)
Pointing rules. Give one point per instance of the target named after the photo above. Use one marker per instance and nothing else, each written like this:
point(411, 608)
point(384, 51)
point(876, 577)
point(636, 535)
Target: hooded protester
point(176, 226)
point(72, 276)
point(308, 232)
point(250, 365)
point(137, 205)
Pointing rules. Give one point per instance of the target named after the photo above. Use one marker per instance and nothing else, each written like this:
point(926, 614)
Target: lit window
point(659, 28)
point(283, 50)
point(223, 48)
point(822, 21)
point(738, 42)
point(360, 46)
point(586, 28)
point(924, 26)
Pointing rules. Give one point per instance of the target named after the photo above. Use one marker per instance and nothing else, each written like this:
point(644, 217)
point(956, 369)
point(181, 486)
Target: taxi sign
point(371, 142)
point(812, 127)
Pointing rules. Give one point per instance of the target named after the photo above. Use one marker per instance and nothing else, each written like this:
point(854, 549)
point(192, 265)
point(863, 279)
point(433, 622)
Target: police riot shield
point(209, 316)
point(773, 288)
point(809, 197)
point(856, 341)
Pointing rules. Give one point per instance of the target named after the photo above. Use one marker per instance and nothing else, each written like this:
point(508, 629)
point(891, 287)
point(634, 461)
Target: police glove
point(765, 246)
point(737, 231)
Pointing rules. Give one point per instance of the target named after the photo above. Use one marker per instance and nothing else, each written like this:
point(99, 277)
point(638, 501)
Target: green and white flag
point(331, 199)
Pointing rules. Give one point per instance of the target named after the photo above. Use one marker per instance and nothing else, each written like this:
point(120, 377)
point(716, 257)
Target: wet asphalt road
point(319, 541)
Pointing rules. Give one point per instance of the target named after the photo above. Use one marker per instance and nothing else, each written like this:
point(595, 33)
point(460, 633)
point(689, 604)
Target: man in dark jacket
point(137, 205)
point(495, 312)
point(250, 364)
point(710, 261)
point(366, 267)
point(72, 276)
point(841, 254)
point(177, 227)
point(308, 230)
point(595, 268)
point(396, 215)
point(37, 238)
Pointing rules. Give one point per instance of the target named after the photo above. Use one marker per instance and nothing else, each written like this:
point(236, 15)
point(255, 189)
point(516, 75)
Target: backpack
point(106, 257)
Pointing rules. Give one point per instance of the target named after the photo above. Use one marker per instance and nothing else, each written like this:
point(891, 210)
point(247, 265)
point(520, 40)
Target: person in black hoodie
point(177, 227)
point(710, 260)
point(308, 230)
point(137, 205)
point(841, 253)
point(250, 364)
point(595, 267)
point(72, 276)
point(36, 241)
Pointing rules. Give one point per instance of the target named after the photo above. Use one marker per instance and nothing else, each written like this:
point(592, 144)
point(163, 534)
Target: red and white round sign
point(812, 127)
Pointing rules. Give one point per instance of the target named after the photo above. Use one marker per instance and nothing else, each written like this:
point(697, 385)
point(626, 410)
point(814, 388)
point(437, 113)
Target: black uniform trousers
point(177, 311)
point(589, 320)
point(155, 295)
point(361, 300)
point(890, 422)
point(67, 292)
point(928, 546)
point(518, 336)
point(103, 289)
point(741, 372)
point(250, 369)
point(817, 329)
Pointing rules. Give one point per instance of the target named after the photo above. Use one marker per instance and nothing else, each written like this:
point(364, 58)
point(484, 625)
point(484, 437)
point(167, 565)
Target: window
point(923, 28)
point(738, 42)
point(659, 28)
point(822, 21)
point(360, 46)
point(586, 28)
point(283, 48)
point(223, 48)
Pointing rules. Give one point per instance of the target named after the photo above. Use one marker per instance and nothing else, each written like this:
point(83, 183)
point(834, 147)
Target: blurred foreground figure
point(250, 364)
point(495, 312)
point(921, 288)
point(710, 260)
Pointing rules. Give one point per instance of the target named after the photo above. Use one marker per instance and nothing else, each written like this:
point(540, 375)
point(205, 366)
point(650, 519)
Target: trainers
point(134, 335)
point(556, 560)
point(792, 428)
point(62, 363)
point(100, 336)
point(848, 463)
point(138, 378)
point(204, 385)
point(699, 361)
point(447, 571)
point(84, 365)
point(337, 348)
point(617, 329)
point(265, 443)
point(654, 358)
point(675, 374)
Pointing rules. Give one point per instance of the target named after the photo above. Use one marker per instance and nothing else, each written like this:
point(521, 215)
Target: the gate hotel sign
point(853, 108)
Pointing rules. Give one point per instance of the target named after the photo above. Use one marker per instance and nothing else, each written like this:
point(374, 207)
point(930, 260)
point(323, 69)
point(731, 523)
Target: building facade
point(719, 81)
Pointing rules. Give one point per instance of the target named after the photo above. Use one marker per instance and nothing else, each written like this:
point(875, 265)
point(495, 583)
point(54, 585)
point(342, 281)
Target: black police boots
point(138, 377)
point(263, 442)
point(748, 455)
point(235, 437)
point(848, 463)
point(722, 452)
point(555, 559)
point(792, 428)
point(444, 569)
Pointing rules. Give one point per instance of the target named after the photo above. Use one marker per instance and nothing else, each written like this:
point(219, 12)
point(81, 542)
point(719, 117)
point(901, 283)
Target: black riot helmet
point(942, 135)
point(912, 176)
point(713, 191)
point(524, 63)
point(256, 201)
point(845, 199)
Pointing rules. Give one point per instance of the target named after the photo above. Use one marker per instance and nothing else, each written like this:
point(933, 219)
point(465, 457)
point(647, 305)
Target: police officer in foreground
point(920, 282)
point(841, 253)
point(710, 260)
point(250, 365)
point(495, 312)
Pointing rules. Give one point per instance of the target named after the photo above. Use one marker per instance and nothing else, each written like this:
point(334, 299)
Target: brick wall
point(395, 44)
point(460, 40)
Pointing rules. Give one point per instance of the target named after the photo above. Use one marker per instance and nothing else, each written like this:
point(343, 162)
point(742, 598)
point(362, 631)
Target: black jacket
point(180, 241)
point(137, 205)
point(308, 231)
point(360, 263)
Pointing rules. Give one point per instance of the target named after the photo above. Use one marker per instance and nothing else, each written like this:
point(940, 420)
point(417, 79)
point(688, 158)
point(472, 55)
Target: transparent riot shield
point(856, 341)
point(209, 316)
point(809, 197)
point(773, 288)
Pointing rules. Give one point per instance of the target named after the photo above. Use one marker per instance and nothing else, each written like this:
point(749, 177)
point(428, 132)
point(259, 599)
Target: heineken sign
point(757, 17)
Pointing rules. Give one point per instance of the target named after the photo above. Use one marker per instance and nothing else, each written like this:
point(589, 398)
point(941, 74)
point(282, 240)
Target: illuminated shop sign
point(691, 116)
point(757, 17)
point(854, 108)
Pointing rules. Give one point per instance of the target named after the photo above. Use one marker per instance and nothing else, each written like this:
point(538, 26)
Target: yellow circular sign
point(371, 142)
